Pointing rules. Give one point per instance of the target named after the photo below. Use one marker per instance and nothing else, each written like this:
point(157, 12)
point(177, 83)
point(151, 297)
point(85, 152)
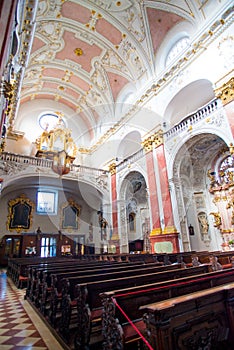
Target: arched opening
point(196, 205)
point(135, 225)
point(201, 91)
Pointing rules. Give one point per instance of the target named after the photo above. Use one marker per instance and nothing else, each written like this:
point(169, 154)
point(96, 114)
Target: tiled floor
point(20, 327)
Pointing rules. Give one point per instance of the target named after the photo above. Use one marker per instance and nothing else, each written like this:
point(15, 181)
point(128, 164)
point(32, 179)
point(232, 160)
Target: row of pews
point(161, 301)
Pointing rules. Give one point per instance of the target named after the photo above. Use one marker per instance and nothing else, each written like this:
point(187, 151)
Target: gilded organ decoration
point(56, 140)
point(57, 145)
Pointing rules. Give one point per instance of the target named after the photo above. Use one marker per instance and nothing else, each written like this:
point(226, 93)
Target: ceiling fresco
point(90, 56)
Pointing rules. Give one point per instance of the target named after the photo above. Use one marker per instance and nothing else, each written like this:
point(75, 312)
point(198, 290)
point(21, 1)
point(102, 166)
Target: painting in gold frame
point(70, 215)
point(20, 212)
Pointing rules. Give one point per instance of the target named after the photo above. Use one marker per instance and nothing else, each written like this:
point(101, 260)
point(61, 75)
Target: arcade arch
point(195, 202)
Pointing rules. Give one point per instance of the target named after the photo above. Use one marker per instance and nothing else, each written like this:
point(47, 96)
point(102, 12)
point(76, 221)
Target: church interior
point(116, 148)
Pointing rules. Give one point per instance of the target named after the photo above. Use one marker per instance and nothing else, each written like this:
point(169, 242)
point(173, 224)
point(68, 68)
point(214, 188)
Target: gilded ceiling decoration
point(88, 54)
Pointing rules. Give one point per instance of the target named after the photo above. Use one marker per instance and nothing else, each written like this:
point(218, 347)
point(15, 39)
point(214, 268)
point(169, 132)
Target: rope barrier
point(152, 289)
point(132, 324)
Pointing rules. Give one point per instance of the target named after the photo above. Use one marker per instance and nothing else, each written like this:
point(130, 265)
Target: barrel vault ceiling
point(89, 57)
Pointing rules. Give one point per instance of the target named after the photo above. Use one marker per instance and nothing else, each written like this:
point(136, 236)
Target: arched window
point(48, 121)
point(177, 48)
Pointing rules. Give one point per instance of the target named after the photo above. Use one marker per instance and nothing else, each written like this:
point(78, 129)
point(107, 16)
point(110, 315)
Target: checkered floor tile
point(17, 330)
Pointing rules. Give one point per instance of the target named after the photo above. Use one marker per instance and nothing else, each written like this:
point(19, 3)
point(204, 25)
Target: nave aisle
point(20, 327)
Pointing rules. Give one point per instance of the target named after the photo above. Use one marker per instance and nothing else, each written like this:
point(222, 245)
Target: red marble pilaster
point(165, 192)
point(153, 196)
point(115, 235)
point(168, 239)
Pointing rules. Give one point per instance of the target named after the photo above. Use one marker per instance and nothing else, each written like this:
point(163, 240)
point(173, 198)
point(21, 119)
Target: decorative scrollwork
point(82, 335)
point(112, 330)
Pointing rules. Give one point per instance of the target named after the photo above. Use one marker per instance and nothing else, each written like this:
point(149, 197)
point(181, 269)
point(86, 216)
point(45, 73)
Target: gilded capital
point(158, 138)
point(112, 168)
point(156, 231)
point(148, 144)
point(226, 92)
point(170, 230)
point(153, 141)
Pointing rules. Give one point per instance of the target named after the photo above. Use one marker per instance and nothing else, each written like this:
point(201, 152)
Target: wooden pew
point(89, 302)
point(52, 280)
point(40, 276)
point(36, 272)
point(124, 309)
point(200, 320)
point(63, 294)
point(161, 256)
point(17, 267)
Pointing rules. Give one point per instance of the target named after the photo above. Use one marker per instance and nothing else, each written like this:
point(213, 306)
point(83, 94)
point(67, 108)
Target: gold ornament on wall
point(226, 92)
point(78, 51)
point(112, 168)
point(217, 219)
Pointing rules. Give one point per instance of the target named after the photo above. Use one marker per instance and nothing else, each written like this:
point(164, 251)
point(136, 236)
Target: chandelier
point(57, 145)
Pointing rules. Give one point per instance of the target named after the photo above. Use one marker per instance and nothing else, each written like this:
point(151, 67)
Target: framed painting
point(20, 214)
point(70, 215)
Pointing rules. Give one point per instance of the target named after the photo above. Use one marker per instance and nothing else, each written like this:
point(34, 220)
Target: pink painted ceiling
point(160, 22)
point(84, 54)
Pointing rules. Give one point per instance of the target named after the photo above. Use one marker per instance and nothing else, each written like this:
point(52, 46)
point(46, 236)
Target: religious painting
point(20, 214)
point(70, 215)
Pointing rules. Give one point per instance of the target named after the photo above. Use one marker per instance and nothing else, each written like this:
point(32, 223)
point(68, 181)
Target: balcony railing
point(193, 119)
point(81, 170)
point(130, 160)
point(21, 159)
point(6, 157)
